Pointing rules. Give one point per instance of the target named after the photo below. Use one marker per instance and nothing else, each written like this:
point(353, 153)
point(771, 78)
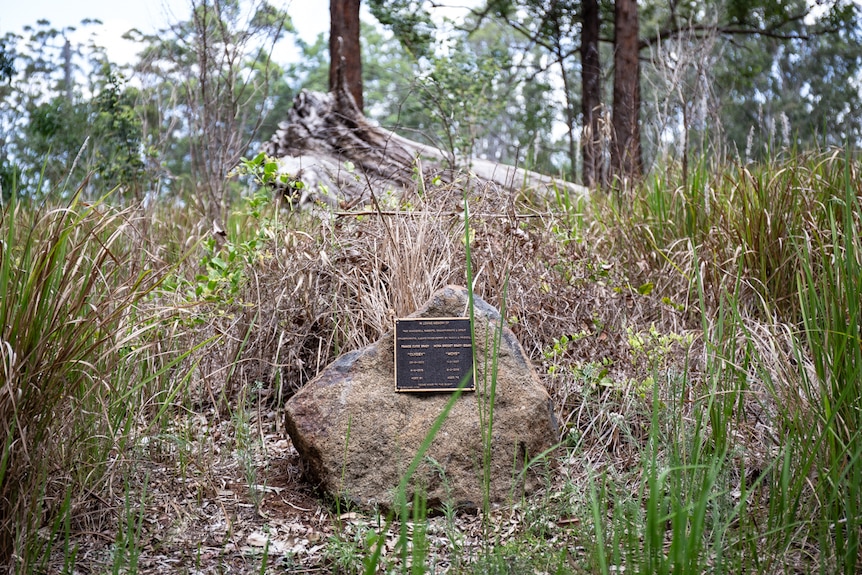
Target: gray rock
point(356, 435)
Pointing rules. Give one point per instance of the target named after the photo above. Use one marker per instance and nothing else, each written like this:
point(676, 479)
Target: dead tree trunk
point(342, 158)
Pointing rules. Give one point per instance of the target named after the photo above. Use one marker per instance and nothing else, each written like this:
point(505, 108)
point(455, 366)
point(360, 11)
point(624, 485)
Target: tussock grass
point(768, 257)
point(746, 222)
point(77, 358)
point(318, 285)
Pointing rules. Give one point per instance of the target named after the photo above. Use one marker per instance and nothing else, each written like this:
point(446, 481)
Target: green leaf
point(218, 263)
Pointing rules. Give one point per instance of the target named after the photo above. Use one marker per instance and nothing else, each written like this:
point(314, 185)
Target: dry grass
point(326, 285)
point(322, 286)
point(662, 331)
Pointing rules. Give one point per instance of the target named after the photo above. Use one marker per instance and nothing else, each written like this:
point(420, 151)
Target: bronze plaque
point(433, 354)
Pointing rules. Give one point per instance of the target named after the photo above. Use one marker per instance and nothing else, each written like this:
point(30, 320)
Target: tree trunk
point(345, 61)
point(625, 148)
point(570, 117)
point(591, 89)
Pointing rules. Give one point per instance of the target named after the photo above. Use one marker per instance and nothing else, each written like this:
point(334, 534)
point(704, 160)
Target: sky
point(310, 17)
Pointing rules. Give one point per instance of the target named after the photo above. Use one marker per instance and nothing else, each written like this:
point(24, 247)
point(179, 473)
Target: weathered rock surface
point(356, 435)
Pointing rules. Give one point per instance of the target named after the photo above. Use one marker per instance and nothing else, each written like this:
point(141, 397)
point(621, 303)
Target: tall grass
point(419, 544)
point(830, 296)
point(751, 458)
point(72, 282)
point(769, 257)
point(743, 219)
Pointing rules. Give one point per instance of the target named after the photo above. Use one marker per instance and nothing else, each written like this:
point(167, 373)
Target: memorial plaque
point(433, 354)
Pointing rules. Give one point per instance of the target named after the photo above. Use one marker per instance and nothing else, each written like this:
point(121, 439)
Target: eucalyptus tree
point(44, 114)
point(481, 94)
point(742, 62)
point(800, 86)
point(626, 159)
point(767, 59)
point(778, 72)
point(591, 94)
point(571, 28)
point(7, 66)
point(404, 17)
point(554, 26)
point(344, 53)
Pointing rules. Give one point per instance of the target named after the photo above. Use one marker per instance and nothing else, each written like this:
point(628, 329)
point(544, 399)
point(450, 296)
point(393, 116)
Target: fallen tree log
point(341, 157)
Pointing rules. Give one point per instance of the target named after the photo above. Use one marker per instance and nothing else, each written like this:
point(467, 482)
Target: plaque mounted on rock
point(354, 432)
point(433, 354)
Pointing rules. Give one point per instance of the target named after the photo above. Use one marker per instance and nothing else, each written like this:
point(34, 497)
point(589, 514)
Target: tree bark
point(570, 117)
point(591, 89)
point(345, 61)
point(626, 159)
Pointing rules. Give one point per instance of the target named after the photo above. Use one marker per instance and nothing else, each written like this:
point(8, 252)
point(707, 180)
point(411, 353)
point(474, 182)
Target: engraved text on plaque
point(433, 354)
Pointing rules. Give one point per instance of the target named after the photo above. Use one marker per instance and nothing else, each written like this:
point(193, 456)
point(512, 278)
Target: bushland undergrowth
point(81, 361)
point(701, 344)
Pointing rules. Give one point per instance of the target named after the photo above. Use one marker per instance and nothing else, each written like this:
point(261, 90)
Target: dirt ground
point(215, 502)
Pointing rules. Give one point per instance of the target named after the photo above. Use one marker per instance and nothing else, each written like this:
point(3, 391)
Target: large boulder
point(356, 435)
